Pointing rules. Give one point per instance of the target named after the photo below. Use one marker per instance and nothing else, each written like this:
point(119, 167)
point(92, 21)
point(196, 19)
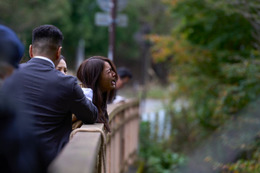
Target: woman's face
point(62, 66)
point(107, 79)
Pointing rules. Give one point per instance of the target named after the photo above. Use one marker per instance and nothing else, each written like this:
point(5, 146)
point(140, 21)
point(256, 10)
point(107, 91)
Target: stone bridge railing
point(84, 153)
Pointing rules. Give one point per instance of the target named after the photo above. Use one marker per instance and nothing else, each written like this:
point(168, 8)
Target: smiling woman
point(98, 77)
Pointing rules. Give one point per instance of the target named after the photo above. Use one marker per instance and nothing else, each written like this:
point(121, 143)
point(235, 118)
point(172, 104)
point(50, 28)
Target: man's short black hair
point(47, 35)
point(124, 72)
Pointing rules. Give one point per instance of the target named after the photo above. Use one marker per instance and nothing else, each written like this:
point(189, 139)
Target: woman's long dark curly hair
point(89, 73)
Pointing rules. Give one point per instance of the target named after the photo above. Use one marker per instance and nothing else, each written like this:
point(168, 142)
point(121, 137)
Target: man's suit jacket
point(50, 98)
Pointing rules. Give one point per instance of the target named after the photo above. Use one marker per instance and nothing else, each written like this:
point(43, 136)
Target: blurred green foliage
point(76, 19)
point(214, 62)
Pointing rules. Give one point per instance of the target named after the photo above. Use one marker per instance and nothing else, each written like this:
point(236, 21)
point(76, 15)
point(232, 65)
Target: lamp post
point(112, 30)
point(111, 19)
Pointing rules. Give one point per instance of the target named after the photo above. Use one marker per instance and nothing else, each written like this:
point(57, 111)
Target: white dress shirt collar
point(46, 59)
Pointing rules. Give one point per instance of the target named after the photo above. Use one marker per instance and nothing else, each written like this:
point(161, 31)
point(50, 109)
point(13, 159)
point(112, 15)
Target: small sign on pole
point(105, 5)
point(104, 19)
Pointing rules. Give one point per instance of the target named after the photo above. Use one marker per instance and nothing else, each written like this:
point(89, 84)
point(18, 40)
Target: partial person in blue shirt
point(20, 150)
point(11, 52)
point(124, 76)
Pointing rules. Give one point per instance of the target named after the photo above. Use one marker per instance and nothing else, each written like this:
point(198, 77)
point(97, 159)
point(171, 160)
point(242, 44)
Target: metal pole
point(112, 30)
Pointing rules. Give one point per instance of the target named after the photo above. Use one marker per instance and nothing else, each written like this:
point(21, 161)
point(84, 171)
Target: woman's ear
point(30, 51)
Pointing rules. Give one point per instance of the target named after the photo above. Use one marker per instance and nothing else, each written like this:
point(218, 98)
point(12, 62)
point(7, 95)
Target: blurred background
point(195, 65)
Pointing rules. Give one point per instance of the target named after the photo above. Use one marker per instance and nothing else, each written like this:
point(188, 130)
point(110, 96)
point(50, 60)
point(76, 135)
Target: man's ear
point(30, 51)
point(58, 53)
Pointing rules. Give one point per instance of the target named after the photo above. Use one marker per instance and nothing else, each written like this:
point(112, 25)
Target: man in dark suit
point(49, 96)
